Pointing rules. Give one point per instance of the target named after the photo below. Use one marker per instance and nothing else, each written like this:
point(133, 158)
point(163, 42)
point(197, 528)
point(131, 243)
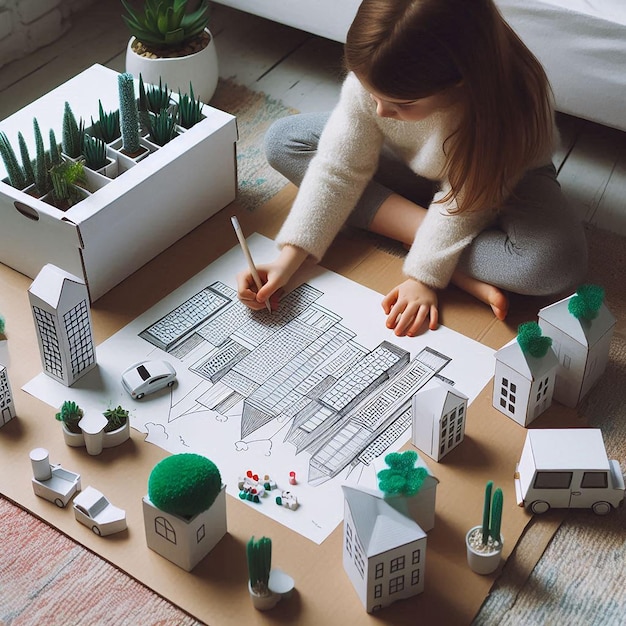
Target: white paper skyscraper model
point(7, 408)
point(60, 305)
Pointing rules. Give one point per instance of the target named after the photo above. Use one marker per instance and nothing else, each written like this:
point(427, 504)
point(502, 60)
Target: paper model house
point(185, 542)
point(581, 346)
point(7, 407)
point(60, 305)
point(523, 385)
point(384, 551)
point(438, 419)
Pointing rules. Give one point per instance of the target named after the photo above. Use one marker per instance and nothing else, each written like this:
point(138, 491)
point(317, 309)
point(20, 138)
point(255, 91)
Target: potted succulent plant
point(189, 109)
point(117, 430)
point(96, 158)
point(67, 178)
point(69, 415)
point(107, 126)
point(484, 543)
point(171, 42)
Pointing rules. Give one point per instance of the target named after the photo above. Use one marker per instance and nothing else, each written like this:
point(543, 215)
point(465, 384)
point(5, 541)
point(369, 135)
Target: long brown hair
point(409, 49)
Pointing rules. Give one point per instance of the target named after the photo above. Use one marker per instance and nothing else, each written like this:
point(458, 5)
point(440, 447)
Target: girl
point(442, 139)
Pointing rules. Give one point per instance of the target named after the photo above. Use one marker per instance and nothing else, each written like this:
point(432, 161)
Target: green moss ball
point(184, 484)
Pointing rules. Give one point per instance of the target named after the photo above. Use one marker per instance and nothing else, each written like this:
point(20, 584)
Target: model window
point(594, 480)
point(396, 584)
point(416, 556)
point(201, 534)
point(165, 529)
point(415, 577)
point(380, 570)
point(378, 591)
point(396, 564)
point(553, 480)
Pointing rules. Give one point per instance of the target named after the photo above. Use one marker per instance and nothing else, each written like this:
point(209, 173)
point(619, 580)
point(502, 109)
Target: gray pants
point(538, 247)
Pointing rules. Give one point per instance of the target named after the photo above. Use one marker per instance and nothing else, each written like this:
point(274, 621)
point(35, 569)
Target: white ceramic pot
point(74, 440)
point(201, 69)
point(117, 436)
point(482, 561)
point(265, 602)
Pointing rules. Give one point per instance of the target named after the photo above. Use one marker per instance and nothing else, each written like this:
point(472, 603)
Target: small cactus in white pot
point(484, 542)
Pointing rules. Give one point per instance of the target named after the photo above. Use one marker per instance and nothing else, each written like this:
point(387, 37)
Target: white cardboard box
point(137, 215)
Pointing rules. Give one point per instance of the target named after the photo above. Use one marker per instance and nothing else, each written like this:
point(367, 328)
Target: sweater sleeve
point(346, 160)
point(440, 240)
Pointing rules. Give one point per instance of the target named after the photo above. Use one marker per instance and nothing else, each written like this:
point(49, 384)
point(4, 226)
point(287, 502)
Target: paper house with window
point(581, 344)
point(60, 305)
point(384, 551)
point(438, 419)
point(7, 407)
point(185, 541)
point(523, 385)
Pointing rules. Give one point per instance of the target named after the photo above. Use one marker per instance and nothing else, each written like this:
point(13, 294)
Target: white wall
point(27, 25)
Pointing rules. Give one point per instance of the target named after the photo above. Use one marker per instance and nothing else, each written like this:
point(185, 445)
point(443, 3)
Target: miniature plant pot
point(110, 169)
point(74, 440)
point(263, 602)
point(280, 583)
point(482, 559)
point(92, 426)
point(117, 436)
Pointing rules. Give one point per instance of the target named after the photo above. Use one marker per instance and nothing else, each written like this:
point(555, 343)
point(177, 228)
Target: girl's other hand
point(408, 306)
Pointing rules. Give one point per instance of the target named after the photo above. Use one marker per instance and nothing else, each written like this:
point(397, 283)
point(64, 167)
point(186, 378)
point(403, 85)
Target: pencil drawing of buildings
point(7, 407)
point(344, 403)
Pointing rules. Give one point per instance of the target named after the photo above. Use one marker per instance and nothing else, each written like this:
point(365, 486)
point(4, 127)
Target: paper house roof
point(49, 283)
point(583, 332)
point(441, 398)
point(568, 448)
point(528, 366)
point(380, 526)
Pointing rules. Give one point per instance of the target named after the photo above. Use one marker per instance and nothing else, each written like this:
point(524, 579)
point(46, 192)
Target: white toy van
point(567, 468)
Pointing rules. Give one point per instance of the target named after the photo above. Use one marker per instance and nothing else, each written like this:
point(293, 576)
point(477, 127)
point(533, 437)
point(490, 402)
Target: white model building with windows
point(581, 346)
point(7, 407)
point(438, 419)
point(384, 551)
point(523, 385)
point(60, 305)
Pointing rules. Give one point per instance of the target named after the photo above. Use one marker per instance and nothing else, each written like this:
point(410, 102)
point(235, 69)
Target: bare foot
point(484, 292)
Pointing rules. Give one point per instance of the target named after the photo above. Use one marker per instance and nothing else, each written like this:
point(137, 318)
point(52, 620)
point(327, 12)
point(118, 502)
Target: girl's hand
point(274, 276)
point(408, 306)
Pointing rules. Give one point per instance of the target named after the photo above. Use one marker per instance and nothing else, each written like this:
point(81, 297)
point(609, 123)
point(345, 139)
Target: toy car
point(147, 377)
point(93, 510)
point(568, 468)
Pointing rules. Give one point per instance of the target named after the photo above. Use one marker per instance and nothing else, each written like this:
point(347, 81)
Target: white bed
point(581, 43)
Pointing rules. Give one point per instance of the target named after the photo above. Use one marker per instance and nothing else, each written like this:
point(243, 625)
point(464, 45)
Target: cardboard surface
point(215, 591)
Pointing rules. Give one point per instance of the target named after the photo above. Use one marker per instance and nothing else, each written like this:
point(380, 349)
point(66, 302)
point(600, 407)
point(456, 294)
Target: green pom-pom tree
point(402, 477)
point(184, 484)
point(2, 325)
point(531, 341)
point(586, 304)
point(129, 114)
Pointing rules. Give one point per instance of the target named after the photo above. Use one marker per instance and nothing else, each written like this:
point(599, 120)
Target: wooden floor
point(304, 71)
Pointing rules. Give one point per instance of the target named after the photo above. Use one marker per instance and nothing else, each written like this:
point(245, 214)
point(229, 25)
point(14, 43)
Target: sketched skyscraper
point(60, 305)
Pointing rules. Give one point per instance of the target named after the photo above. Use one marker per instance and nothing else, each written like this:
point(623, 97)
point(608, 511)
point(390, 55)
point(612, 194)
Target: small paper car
point(93, 510)
point(146, 377)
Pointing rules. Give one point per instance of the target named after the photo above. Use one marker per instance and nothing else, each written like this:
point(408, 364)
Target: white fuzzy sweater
point(346, 160)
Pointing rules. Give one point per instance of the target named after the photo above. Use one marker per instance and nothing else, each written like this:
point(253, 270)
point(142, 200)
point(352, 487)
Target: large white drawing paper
point(319, 387)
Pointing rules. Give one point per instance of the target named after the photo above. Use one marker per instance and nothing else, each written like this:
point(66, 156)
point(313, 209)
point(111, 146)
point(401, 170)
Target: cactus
point(492, 514)
point(65, 177)
point(586, 304)
point(162, 127)
point(14, 170)
point(157, 98)
point(402, 477)
point(54, 156)
point(184, 484)
point(259, 555)
point(189, 109)
point(129, 114)
point(95, 152)
point(72, 137)
point(27, 164)
point(107, 127)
